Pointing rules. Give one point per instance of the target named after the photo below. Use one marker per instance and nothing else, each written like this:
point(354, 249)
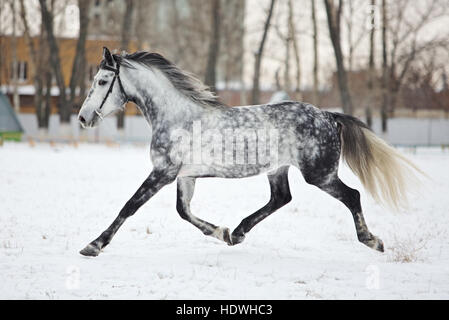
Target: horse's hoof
point(236, 239)
point(374, 243)
point(380, 245)
point(90, 251)
point(223, 234)
point(227, 236)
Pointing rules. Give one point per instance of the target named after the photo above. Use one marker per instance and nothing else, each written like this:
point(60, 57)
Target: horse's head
point(106, 96)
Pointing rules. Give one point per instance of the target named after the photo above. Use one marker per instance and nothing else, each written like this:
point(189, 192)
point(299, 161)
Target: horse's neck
point(159, 101)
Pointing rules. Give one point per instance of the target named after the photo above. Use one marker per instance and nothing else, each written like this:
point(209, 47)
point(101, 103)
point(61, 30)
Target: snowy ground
point(55, 199)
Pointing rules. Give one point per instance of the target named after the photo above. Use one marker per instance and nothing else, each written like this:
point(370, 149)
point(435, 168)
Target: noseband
point(111, 87)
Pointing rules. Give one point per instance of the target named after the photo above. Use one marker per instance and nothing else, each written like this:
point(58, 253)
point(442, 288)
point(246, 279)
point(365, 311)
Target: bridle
point(111, 87)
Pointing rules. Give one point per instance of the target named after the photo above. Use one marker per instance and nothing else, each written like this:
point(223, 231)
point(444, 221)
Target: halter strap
point(111, 87)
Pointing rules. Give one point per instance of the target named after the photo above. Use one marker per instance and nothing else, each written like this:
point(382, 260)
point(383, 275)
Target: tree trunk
point(214, 46)
point(47, 20)
point(288, 40)
point(315, 55)
point(385, 95)
point(292, 31)
point(15, 64)
point(83, 78)
point(371, 69)
point(1, 39)
point(333, 19)
point(44, 111)
point(277, 80)
point(80, 53)
point(127, 25)
point(255, 96)
point(124, 46)
point(349, 26)
point(36, 62)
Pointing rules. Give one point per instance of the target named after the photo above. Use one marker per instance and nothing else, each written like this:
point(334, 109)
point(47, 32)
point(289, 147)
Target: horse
point(194, 135)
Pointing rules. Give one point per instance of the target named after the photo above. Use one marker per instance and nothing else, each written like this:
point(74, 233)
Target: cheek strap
point(111, 87)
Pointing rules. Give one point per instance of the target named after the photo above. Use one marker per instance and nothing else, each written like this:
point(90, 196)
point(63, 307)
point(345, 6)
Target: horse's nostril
point(82, 120)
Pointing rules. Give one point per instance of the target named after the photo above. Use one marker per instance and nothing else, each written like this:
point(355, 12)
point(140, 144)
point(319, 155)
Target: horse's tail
point(383, 171)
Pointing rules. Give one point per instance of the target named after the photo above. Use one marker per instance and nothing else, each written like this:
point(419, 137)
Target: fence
point(401, 131)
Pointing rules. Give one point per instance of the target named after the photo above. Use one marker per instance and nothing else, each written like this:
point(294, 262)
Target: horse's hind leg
point(186, 186)
point(280, 196)
point(351, 199)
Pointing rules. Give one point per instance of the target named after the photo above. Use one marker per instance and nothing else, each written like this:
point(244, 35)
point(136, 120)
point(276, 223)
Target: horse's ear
point(107, 57)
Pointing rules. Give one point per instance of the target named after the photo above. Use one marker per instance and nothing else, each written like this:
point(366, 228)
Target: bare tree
point(286, 31)
point(39, 67)
point(185, 31)
point(47, 20)
point(334, 13)
point(127, 24)
point(15, 63)
point(231, 39)
point(79, 63)
point(352, 25)
point(278, 24)
point(315, 54)
point(277, 80)
point(408, 20)
point(403, 25)
point(255, 96)
point(371, 67)
point(422, 88)
point(385, 84)
point(294, 41)
point(2, 8)
point(214, 46)
point(126, 37)
point(288, 40)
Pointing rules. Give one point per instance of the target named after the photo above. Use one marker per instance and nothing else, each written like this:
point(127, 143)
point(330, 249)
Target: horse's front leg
point(155, 181)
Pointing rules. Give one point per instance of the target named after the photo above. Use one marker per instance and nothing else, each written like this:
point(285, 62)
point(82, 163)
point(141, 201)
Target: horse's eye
point(102, 82)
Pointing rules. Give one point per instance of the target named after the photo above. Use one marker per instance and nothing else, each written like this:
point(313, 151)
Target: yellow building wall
point(67, 49)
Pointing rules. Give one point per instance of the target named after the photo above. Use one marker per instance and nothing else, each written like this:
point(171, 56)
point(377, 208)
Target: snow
point(29, 90)
point(55, 199)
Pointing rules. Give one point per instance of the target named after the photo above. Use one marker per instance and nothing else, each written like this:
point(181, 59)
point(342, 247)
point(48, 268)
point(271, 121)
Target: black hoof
point(90, 251)
point(236, 239)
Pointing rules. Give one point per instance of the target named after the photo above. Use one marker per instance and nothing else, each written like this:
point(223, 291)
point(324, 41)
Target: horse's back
point(250, 140)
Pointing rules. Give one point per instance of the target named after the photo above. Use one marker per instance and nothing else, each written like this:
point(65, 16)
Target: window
point(97, 3)
point(21, 71)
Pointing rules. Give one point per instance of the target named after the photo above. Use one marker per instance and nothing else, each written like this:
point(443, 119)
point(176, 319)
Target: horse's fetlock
point(286, 199)
point(364, 236)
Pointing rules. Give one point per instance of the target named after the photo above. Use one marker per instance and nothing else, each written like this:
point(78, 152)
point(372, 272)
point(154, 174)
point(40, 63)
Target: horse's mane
point(184, 81)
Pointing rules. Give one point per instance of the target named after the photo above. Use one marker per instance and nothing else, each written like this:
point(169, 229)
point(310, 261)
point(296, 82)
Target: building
point(178, 29)
point(25, 70)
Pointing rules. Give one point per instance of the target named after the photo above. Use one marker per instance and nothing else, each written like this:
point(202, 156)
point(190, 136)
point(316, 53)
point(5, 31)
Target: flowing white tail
point(383, 171)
